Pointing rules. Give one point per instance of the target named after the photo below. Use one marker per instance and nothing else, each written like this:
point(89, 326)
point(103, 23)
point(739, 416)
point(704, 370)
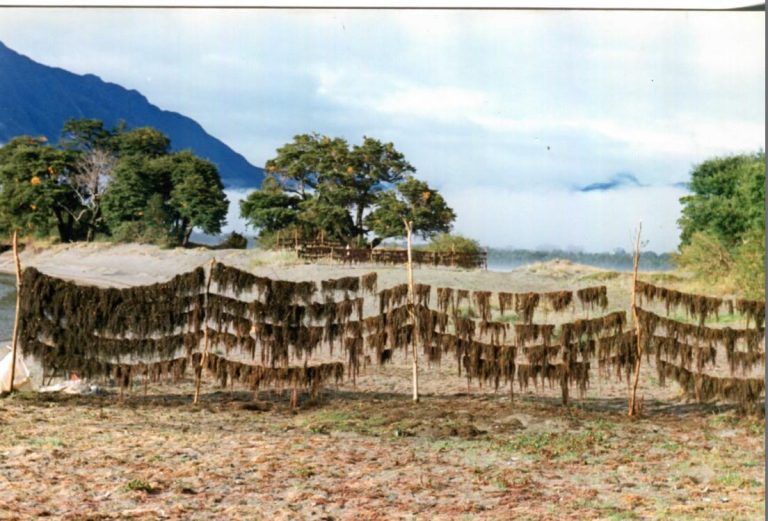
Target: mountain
point(620, 180)
point(36, 99)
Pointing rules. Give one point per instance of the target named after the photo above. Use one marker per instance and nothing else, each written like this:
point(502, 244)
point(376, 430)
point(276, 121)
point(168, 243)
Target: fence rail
point(387, 256)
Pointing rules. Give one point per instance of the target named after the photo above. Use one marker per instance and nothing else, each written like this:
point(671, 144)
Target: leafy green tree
point(723, 224)
point(727, 199)
point(321, 186)
point(413, 202)
point(197, 197)
point(270, 209)
point(457, 243)
point(374, 167)
point(34, 189)
point(190, 188)
point(144, 142)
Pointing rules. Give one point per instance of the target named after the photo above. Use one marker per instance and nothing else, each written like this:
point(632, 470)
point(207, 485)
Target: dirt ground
point(357, 454)
point(365, 451)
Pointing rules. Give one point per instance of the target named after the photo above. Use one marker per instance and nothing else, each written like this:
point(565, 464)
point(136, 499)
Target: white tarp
point(22, 379)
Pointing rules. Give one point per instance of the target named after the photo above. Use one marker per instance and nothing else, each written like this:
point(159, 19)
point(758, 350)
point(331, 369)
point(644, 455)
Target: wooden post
point(411, 308)
point(633, 409)
point(15, 339)
point(206, 340)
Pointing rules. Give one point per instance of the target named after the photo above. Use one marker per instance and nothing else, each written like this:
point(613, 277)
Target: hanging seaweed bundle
point(725, 336)
point(391, 297)
point(744, 391)
point(462, 295)
point(754, 310)
point(541, 354)
point(421, 293)
point(618, 352)
point(745, 361)
point(558, 300)
point(345, 284)
point(496, 330)
point(538, 373)
point(531, 332)
point(369, 282)
point(482, 300)
point(142, 310)
point(670, 349)
point(464, 327)
point(593, 297)
point(698, 306)
point(256, 376)
point(444, 299)
point(489, 363)
point(526, 304)
point(571, 332)
point(506, 301)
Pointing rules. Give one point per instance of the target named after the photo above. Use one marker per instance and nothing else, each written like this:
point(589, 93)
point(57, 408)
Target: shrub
point(457, 243)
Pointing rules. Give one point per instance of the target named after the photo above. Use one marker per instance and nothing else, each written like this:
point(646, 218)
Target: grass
point(139, 485)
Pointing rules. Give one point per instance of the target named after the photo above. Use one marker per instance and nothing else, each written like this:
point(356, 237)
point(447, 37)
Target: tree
point(190, 188)
point(34, 189)
point(197, 197)
point(727, 200)
point(415, 202)
point(334, 185)
point(270, 209)
point(722, 238)
point(374, 167)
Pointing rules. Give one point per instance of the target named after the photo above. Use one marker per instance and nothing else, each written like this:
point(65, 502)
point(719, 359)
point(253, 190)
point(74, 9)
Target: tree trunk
point(359, 223)
point(63, 226)
point(187, 233)
point(411, 306)
point(633, 409)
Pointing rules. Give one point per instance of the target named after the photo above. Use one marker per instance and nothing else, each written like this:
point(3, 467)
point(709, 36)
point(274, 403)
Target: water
point(7, 305)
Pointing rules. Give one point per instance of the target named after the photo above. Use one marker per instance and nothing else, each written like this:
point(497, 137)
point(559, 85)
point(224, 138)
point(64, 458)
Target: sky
point(508, 113)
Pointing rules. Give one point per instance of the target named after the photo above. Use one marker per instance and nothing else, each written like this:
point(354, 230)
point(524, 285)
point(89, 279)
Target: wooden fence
point(388, 256)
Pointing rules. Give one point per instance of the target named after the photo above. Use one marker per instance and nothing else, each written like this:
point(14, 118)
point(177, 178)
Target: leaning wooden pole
point(15, 339)
point(412, 310)
point(633, 407)
point(206, 339)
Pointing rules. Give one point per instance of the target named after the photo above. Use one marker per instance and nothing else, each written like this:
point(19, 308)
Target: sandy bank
point(123, 265)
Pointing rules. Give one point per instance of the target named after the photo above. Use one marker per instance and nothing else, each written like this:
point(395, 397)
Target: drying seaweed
point(506, 301)
point(558, 300)
point(345, 284)
point(618, 352)
point(496, 330)
point(690, 333)
point(593, 297)
point(257, 377)
point(369, 282)
point(143, 310)
point(482, 300)
point(747, 392)
point(754, 310)
point(577, 330)
point(541, 354)
point(525, 333)
point(444, 299)
point(526, 304)
point(462, 295)
point(421, 293)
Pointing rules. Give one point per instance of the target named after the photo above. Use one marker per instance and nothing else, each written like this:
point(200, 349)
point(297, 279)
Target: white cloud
point(489, 105)
point(595, 221)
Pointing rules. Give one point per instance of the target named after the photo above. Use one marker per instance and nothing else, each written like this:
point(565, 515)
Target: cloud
point(595, 221)
point(506, 111)
point(620, 180)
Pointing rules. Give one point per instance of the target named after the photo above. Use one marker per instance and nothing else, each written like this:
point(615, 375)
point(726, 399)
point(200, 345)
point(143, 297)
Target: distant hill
point(36, 99)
